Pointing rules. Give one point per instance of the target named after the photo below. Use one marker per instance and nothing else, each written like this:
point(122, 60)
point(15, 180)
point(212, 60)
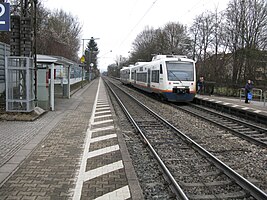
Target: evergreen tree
point(91, 53)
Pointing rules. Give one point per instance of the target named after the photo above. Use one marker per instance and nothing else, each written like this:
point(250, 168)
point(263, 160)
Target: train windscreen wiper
point(175, 76)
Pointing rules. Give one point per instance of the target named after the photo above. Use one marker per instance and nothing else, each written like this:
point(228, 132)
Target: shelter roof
point(45, 59)
point(58, 60)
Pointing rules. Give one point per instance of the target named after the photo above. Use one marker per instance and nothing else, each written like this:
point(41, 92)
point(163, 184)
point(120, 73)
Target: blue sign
point(4, 17)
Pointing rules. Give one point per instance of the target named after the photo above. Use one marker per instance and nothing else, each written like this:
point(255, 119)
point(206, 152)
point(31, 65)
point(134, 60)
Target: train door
point(148, 78)
point(134, 76)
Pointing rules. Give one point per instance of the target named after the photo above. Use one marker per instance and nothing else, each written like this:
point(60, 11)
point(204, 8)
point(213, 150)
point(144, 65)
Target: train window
point(180, 71)
point(141, 77)
point(160, 69)
point(155, 76)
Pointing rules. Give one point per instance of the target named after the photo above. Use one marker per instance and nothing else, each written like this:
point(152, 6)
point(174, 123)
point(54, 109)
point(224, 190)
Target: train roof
point(140, 63)
point(160, 57)
point(125, 68)
point(171, 58)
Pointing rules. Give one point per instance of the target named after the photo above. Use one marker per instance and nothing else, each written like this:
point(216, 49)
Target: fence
point(265, 97)
point(257, 93)
point(4, 51)
point(19, 73)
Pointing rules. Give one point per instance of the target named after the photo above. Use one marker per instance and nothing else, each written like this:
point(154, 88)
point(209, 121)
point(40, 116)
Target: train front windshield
point(180, 71)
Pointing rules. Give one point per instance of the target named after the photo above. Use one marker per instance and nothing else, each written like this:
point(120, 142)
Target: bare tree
point(144, 45)
point(61, 35)
point(176, 38)
point(246, 29)
point(171, 39)
point(204, 34)
point(235, 36)
point(58, 33)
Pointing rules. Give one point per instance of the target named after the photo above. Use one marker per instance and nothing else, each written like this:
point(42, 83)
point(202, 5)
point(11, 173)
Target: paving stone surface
point(41, 159)
point(50, 170)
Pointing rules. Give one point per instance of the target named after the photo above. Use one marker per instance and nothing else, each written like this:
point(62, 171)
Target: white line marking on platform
point(218, 101)
point(79, 183)
point(102, 105)
point(102, 170)
point(102, 112)
point(102, 102)
point(101, 138)
point(245, 108)
point(102, 116)
point(226, 103)
point(102, 122)
point(257, 111)
point(102, 151)
point(235, 105)
point(102, 129)
point(103, 108)
point(119, 194)
point(212, 100)
point(206, 98)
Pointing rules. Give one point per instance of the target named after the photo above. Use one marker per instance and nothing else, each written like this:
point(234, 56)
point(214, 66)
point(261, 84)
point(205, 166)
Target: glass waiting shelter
point(53, 78)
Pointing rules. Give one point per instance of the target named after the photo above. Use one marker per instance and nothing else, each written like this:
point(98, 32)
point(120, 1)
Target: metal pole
point(91, 61)
point(52, 88)
point(83, 46)
point(35, 50)
point(83, 53)
point(82, 76)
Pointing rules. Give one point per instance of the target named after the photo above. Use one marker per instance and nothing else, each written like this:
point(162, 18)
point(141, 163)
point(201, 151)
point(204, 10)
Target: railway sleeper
point(229, 124)
point(253, 132)
point(212, 173)
point(209, 184)
point(244, 129)
point(233, 195)
point(238, 127)
point(149, 127)
point(259, 136)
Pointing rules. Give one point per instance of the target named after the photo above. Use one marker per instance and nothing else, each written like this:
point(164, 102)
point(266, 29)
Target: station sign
point(82, 59)
point(4, 17)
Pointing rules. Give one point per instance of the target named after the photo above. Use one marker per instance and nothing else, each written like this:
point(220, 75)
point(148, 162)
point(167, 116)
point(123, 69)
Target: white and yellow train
point(171, 77)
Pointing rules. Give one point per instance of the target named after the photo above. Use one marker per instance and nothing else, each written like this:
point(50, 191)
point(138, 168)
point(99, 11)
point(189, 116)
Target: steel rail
point(237, 133)
point(175, 186)
point(244, 183)
point(231, 118)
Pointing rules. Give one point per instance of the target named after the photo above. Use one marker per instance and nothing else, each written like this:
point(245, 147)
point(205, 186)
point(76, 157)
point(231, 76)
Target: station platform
point(75, 152)
point(254, 109)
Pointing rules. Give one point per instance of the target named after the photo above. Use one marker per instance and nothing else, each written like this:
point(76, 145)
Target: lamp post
point(83, 46)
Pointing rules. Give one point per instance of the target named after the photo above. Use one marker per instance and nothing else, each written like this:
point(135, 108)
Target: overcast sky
point(117, 22)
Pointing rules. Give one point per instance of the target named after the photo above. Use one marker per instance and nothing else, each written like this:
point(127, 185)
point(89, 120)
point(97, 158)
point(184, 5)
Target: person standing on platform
point(248, 89)
point(200, 85)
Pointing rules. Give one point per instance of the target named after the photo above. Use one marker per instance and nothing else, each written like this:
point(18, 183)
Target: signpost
point(90, 71)
point(4, 17)
point(82, 59)
point(82, 65)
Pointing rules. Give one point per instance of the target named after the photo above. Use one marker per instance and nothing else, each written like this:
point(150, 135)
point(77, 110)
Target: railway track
point(192, 172)
point(250, 132)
